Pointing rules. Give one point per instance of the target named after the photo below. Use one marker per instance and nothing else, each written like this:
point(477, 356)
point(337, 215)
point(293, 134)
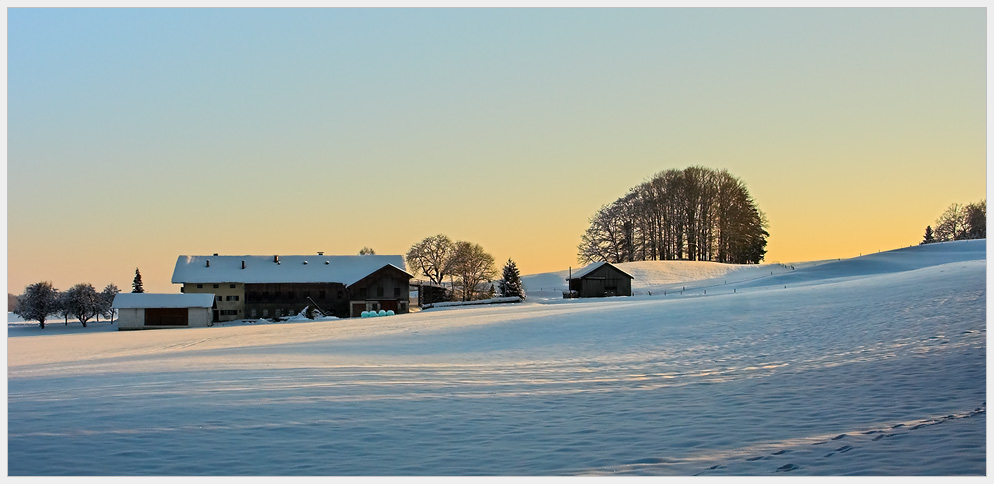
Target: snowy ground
point(873, 365)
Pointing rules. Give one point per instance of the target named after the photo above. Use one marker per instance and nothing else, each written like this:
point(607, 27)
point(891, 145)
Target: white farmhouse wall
point(130, 318)
point(200, 317)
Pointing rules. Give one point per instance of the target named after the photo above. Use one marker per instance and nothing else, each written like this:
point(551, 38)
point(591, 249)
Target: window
point(200, 286)
point(236, 298)
point(182, 289)
point(265, 313)
point(252, 313)
point(230, 298)
point(231, 286)
point(216, 286)
point(219, 298)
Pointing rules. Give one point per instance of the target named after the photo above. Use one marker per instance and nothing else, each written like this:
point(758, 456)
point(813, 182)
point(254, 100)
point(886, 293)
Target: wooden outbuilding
point(600, 279)
point(151, 311)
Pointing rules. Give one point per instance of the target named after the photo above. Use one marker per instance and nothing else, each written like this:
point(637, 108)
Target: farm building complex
point(250, 286)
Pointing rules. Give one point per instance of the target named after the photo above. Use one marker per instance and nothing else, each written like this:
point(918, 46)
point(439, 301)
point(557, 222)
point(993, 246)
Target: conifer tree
point(929, 238)
point(137, 284)
point(511, 282)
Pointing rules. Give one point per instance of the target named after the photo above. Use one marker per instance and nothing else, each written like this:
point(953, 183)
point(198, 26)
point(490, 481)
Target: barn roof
point(345, 269)
point(593, 267)
point(131, 300)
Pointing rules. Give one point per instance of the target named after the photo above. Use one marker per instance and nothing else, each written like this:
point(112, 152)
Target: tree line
point(694, 214)
point(959, 222)
point(81, 302)
point(467, 265)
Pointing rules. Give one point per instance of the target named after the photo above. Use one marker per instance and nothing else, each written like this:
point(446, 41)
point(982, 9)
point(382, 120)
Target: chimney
point(208, 262)
point(320, 253)
point(215, 254)
point(243, 264)
point(276, 259)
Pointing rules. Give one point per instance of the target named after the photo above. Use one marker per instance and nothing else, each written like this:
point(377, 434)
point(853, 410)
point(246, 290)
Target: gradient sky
point(135, 136)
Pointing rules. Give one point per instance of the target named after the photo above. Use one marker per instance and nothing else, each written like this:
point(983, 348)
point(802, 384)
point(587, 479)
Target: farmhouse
point(600, 279)
point(148, 311)
point(252, 286)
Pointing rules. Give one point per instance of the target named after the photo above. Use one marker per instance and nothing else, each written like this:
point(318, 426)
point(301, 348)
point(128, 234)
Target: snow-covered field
point(873, 365)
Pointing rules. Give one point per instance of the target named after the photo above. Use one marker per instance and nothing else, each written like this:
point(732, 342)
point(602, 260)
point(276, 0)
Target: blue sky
point(137, 135)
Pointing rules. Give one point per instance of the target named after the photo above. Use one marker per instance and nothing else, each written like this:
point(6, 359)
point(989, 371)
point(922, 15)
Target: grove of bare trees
point(959, 222)
point(692, 214)
point(438, 256)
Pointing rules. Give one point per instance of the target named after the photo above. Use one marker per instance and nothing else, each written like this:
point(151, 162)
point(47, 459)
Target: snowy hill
point(659, 276)
point(867, 366)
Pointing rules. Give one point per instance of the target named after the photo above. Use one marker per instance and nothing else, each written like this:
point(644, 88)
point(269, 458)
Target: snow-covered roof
point(593, 267)
point(130, 300)
point(346, 269)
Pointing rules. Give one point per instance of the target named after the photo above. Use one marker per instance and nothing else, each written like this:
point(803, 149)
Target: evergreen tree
point(511, 282)
point(929, 238)
point(367, 251)
point(137, 284)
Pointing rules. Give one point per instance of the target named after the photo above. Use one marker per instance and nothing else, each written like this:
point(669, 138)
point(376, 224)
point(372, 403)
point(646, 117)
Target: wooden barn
point(600, 279)
point(151, 311)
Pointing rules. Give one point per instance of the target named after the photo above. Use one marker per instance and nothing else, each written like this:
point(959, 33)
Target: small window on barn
point(236, 298)
point(265, 313)
point(200, 286)
point(231, 286)
point(216, 286)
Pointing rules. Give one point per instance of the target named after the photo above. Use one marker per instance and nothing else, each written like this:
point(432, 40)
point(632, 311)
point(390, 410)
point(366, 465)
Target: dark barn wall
point(605, 281)
point(288, 299)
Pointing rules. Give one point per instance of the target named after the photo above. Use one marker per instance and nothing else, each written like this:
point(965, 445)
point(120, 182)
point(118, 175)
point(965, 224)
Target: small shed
point(600, 279)
point(149, 311)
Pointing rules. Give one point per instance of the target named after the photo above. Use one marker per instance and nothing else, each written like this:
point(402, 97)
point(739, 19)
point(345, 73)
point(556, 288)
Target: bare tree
point(83, 301)
point(39, 301)
point(951, 224)
point(432, 257)
point(473, 265)
point(107, 302)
